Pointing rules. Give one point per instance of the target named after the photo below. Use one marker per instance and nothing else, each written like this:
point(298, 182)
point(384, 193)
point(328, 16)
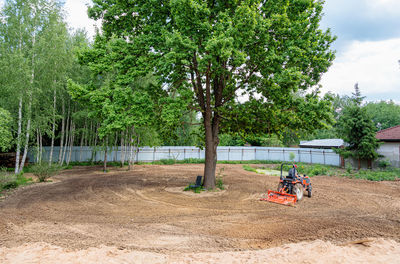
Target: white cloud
point(374, 65)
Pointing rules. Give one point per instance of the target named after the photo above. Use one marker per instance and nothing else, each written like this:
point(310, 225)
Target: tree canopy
point(215, 53)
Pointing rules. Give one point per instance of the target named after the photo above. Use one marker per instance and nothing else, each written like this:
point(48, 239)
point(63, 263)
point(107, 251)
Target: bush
point(44, 171)
point(383, 164)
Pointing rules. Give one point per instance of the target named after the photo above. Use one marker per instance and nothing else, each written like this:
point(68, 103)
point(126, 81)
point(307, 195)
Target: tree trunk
point(82, 140)
point(40, 147)
point(369, 164)
point(105, 155)
point(115, 147)
point(71, 141)
point(62, 133)
point(68, 127)
point(28, 128)
point(53, 131)
point(122, 149)
point(359, 164)
point(18, 153)
point(132, 145)
point(37, 145)
point(211, 144)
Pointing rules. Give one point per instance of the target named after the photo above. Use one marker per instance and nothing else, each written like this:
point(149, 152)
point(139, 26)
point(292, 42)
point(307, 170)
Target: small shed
point(390, 147)
point(323, 143)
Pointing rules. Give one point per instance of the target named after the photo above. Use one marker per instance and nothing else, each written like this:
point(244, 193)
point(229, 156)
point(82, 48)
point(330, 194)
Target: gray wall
point(391, 152)
point(146, 154)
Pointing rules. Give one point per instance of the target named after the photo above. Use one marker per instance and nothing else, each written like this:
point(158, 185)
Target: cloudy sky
point(368, 44)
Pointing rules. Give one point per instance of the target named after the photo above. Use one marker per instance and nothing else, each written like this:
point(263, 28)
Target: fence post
point(255, 154)
point(184, 154)
point(298, 153)
point(284, 158)
point(229, 151)
point(323, 153)
point(268, 154)
point(311, 157)
point(242, 153)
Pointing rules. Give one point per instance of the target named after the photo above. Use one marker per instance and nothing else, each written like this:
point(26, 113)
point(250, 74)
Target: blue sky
point(368, 44)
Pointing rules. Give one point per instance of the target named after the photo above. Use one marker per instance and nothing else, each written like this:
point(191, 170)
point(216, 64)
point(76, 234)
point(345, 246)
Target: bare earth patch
point(143, 216)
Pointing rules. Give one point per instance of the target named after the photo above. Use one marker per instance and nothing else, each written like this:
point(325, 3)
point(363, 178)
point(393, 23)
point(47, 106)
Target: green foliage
point(167, 161)
point(384, 164)
point(249, 168)
point(311, 169)
point(292, 156)
point(9, 180)
point(5, 130)
point(209, 53)
point(356, 128)
point(384, 114)
point(219, 179)
point(379, 175)
point(44, 171)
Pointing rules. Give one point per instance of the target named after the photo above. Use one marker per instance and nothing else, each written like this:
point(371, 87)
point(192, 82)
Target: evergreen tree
point(356, 128)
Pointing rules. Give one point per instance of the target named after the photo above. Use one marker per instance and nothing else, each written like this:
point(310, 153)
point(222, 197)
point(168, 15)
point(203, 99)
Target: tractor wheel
point(298, 190)
point(309, 192)
point(280, 186)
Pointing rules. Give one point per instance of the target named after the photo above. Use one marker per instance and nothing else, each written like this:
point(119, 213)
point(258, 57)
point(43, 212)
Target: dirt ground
point(145, 210)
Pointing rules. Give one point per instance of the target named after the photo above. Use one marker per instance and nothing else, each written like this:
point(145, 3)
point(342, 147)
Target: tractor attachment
point(290, 188)
point(280, 198)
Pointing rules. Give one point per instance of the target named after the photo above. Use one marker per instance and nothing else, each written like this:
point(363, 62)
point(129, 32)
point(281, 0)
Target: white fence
point(146, 154)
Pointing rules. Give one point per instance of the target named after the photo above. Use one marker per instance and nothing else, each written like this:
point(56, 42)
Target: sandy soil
point(87, 214)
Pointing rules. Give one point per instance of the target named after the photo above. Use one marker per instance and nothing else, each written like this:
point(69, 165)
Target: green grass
point(9, 180)
point(390, 174)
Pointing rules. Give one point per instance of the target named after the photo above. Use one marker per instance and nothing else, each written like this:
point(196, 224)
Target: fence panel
point(147, 154)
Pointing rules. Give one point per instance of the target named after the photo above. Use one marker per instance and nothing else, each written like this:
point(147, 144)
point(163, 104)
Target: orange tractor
point(290, 188)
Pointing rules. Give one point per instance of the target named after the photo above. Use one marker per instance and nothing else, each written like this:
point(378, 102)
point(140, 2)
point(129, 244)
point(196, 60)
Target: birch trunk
point(71, 141)
point(18, 153)
point(28, 128)
point(115, 147)
point(105, 155)
point(130, 146)
point(82, 140)
point(40, 147)
point(37, 145)
point(122, 149)
point(53, 131)
point(62, 133)
point(66, 138)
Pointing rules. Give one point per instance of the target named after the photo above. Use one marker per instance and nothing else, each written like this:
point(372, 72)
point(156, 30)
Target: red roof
point(389, 134)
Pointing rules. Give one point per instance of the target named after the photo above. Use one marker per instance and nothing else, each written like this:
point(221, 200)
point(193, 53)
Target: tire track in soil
point(136, 209)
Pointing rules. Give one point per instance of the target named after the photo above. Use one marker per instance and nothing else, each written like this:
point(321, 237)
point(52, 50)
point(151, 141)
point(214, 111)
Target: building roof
point(389, 134)
point(323, 143)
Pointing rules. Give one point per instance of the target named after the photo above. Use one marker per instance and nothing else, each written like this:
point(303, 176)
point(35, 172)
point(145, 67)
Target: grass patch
point(9, 180)
point(249, 168)
point(390, 174)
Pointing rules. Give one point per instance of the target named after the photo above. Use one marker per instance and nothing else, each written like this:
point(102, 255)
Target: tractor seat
point(292, 173)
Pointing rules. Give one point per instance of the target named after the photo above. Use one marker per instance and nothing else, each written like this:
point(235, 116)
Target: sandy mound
point(180, 190)
point(377, 251)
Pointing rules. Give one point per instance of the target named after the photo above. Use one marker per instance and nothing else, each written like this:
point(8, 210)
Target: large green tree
point(216, 52)
point(384, 114)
